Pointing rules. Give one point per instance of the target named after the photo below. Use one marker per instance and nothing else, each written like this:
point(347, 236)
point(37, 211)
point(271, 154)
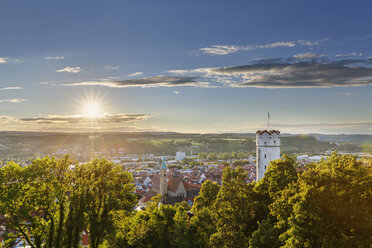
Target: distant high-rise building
point(180, 156)
point(268, 149)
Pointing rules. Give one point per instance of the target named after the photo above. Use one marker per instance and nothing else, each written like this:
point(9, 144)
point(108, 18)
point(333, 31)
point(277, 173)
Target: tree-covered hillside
point(27, 146)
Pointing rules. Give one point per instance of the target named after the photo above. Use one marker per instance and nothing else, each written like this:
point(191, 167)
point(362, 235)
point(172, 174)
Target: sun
point(92, 110)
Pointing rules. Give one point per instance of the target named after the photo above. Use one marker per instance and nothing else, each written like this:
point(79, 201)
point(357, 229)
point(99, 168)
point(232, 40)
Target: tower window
point(265, 142)
point(265, 155)
point(274, 141)
point(265, 167)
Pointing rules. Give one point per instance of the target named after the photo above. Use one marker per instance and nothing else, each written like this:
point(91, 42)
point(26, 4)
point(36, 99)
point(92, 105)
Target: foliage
point(240, 162)
point(330, 206)
point(207, 196)
point(50, 203)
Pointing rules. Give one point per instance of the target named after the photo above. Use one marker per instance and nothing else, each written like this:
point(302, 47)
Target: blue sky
point(186, 66)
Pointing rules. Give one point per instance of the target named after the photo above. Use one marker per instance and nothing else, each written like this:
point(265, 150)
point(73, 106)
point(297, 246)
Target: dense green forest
point(83, 146)
point(50, 203)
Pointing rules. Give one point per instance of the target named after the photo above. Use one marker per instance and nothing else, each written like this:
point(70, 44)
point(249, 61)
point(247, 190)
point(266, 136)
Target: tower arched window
point(265, 155)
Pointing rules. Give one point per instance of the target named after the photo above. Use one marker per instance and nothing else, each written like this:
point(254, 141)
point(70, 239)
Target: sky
point(186, 66)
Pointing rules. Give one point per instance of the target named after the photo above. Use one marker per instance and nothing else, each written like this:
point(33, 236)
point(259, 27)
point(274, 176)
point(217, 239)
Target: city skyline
point(198, 67)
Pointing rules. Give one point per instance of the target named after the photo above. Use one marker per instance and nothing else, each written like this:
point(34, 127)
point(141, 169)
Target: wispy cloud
point(70, 69)
point(110, 67)
point(76, 123)
point(156, 81)
point(178, 71)
point(353, 54)
point(54, 57)
point(3, 60)
point(364, 37)
point(229, 49)
point(346, 93)
point(223, 49)
point(135, 74)
point(278, 44)
point(73, 119)
point(311, 42)
point(307, 56)
point(14, 100)
point(364, 126)
point(12, 88)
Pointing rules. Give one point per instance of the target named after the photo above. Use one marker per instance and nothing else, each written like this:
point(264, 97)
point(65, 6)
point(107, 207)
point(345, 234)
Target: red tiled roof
point(85, 239)
point(173, 183)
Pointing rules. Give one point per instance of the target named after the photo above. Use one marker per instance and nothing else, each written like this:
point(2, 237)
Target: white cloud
point(228, 49)
point(54, 58)
point(70, 69)
point(14, 100)
point(277, 44)
point(134, 74)
point(109, 67)
point(3, 60)
point(311, 42)
point(12, 88)
point(307, 56)
point(178, 71)
point(220, 49)
point(349, 54)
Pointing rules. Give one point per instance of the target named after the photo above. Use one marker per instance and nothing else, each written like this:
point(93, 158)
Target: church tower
point(163, 179)
point(268, 148)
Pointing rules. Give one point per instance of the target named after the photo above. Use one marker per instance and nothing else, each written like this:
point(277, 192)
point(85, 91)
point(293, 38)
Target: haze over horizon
point(189, 67)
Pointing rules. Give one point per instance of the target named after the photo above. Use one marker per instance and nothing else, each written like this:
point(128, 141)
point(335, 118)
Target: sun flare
point(92, 110)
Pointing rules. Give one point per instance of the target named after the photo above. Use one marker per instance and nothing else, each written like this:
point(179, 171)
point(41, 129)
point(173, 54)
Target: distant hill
point(28, 145)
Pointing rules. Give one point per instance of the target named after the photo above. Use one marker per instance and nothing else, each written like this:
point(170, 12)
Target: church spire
point(163, 179)
point(163, 165)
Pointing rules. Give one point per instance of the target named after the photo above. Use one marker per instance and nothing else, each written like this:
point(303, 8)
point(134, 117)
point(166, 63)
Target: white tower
point(268, 148)
point(163, 184)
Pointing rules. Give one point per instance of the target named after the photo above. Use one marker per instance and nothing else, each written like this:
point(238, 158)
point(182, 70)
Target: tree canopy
point(50, 203)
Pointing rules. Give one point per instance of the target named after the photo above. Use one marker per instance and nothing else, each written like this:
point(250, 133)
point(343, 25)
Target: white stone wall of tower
point(268, 149)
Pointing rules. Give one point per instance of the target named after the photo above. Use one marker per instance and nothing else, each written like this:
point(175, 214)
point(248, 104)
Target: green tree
point(212, 156)
point(30, 196)
point(330, 206)
point(225, 156)
point(234, 155)
point(202, 155)
point(235, 211)
point(207, 196)
point(110, 190)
